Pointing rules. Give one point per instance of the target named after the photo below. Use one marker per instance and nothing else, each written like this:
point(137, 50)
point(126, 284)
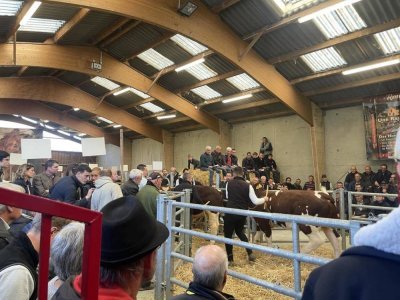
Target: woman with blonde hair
point(24, 177)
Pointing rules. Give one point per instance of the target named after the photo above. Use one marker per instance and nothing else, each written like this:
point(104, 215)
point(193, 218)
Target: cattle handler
point(240, 195)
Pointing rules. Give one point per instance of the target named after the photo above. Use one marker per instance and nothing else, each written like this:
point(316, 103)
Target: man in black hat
point(149, 193)
point(130, 238)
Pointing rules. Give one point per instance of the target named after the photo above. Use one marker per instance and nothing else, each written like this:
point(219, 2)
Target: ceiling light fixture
point(187, 9)
point(327, 10)
point(76, 108)
point(127, 89)
point(117, 126)
point(30, 12)
point(237, 98)
point(105, 120)
point(63, 132)
point(166, 117)
point(371, 67)
point(29, 120)
point(191, 64)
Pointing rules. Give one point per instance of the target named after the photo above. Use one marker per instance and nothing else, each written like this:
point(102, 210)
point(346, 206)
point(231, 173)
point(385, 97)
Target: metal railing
point(166, 209)
point(92, 239)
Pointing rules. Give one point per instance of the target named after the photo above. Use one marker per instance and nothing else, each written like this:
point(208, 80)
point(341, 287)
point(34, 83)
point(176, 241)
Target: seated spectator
point(264, 182)
point(131, 186)
point(24, 177)
point(271, 184)
point(367, 271)
point(248, 165)
point(206, 164)
point(19, 261)
point(230, 159)
point(209, 275)
point(350, 176)
point(289, 184)
point(128, 252)
point(310, 184)
point(260, 164)
point(360, 200)
point(272, 168)
point(383, 174)
point(297, 184)
point(325, 182)
point(368, 179)
point(357, 180)
point(8, 214)
point(106, 190)
point(382, 201)
point(69, 189)
point(194, 163)
point(338, 187)
point(66, 255)
point(43, 182)
point(219, 162)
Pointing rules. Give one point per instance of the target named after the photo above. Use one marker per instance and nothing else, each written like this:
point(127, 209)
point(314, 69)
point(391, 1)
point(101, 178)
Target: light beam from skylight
point(324, 59)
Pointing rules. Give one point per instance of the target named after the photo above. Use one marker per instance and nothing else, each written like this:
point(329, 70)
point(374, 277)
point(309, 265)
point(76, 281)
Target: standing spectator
point(383, 174)
point(131, 186)
point(43, 182)
point(19, 261)
point(325, 182)
point(368, 179)
point(173, 176)
point(240, 195)
point(149, 193)
point(297, 184)
point(70, 188)
point(266, 147)
point(310, 184)
point(350, 176)
point(248, 165)
point(106, 190)
point(206, 163)
point(143, 168)
point(8, 214)
point(193, 162)
point(4, 162)
point(66, 255)
point(130, 239)
point(95, 174)
point(209, 270)
point(24, 176)
point(376, 252)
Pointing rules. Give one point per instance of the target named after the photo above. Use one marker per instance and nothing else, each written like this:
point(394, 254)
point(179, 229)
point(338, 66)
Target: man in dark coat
point(383, 174)
point(350, 176)
point(209, 275)
point(4, 162)
point(368, 271)
point(193, 162)
point(70, 188)
point(131, 186)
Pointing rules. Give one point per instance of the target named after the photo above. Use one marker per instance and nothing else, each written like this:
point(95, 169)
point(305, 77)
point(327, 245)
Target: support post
point(318, 143)
point(168, 149)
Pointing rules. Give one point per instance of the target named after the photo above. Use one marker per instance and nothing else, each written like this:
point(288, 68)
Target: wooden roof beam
point(51, 90)
point(353, 84)
point(109, 31)
point(244, 106)
point(206, 28)
point(340, 70)
point(111, 38)
point(261, 116)
point(25, 8)
point(336, 41)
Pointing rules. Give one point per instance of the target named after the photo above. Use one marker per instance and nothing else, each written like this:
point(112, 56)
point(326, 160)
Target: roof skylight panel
point(339, 22)
point(152, 107)
point(104, 82)
point(389, 40)
point(324, 59)
point(189, 45)
point(155, 59)
point(139, 93)
point(9, 7)
point(206, 92)
point(243, 82)
point(201, 71)
point(42, 25)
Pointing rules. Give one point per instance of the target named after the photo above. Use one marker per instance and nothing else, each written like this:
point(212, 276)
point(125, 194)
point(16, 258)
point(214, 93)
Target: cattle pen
point(167, 210)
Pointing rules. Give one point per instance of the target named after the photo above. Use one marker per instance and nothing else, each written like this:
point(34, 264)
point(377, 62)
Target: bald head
point(210, 266)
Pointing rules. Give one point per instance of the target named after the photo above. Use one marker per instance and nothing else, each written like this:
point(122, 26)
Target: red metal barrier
point(92, 239)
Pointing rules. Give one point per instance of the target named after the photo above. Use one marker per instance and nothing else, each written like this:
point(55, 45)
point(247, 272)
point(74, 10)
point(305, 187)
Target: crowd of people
point(128, 251)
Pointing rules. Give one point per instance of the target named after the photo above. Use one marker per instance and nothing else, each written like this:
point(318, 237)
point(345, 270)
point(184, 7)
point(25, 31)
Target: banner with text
point(382, 119)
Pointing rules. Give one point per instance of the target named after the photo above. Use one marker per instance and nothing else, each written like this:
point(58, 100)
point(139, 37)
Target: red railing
point(92, 240)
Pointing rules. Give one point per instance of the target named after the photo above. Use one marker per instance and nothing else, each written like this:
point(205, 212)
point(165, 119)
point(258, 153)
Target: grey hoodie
point(106, 191)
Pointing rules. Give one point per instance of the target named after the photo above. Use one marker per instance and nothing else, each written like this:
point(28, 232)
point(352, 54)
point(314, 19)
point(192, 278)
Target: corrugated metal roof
point(218, 64)
point(224, 87)
point(375, 12)
point(272, 108)
point(33, 37)
point(118, 100)
point(73, 78)
point(142, 66)
point(211, 3)
point(173, 52)
point(93, 89)
point(6, 23)
point(173, 80)
point(289, 38)
point(293, 69)
point(134, 40)
point(55, 11)
point(93, 23)
point(8, 71)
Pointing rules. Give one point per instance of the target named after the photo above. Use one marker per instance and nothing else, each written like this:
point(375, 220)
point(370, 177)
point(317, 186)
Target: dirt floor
point(267, 267)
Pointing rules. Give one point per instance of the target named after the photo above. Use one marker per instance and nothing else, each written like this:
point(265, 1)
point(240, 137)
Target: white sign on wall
point(157, 165)
point(16, 159)
point(93, 146)
point(35, 148)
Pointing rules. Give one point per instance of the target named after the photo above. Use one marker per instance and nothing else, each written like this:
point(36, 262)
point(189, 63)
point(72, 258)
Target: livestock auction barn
point(162, 79)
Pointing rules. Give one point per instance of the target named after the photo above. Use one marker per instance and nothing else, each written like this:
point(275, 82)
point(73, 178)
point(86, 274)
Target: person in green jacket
point(148, 194)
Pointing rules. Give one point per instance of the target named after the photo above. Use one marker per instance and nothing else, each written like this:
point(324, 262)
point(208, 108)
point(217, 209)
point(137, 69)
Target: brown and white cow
point(298, 202)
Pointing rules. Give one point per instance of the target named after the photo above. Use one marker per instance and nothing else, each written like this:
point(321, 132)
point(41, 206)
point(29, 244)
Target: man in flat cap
point(130, 238)
point(149, 193)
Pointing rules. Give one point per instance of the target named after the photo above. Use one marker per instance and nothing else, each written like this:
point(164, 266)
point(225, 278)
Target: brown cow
point(298, 202)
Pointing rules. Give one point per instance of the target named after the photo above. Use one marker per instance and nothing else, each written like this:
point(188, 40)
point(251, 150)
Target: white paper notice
point(16, 159)
point(35, 148)
point(93, 146)
point(157, 165)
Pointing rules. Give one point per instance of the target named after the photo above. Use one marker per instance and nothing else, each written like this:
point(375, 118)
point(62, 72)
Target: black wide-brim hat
point(128, 232)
